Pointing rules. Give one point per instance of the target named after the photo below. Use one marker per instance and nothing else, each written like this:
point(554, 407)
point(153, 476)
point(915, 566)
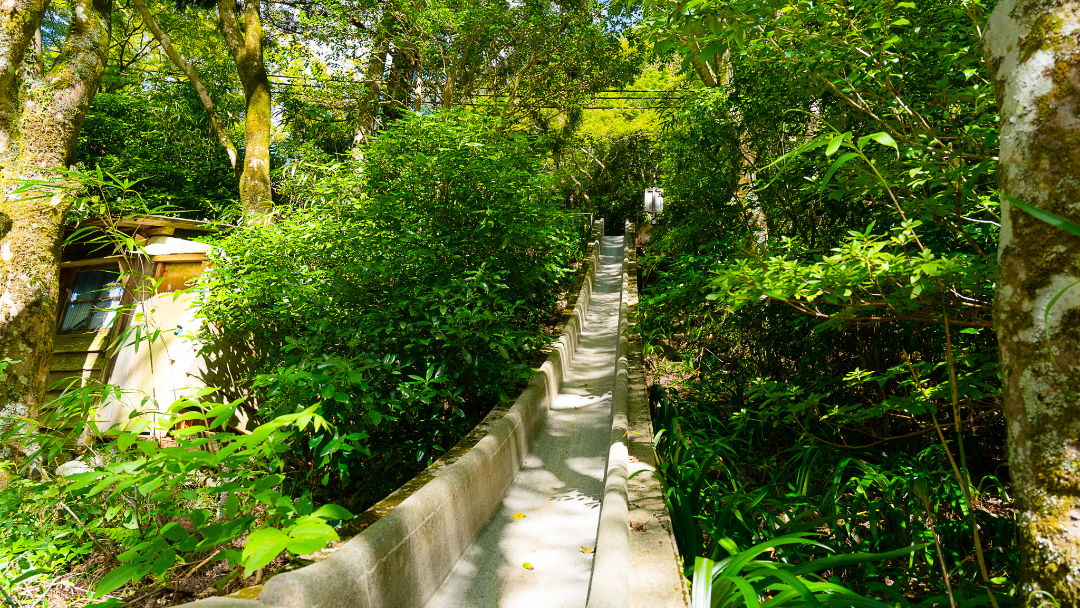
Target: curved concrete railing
point(417, 534)
point(609, 586)
point(640, 569)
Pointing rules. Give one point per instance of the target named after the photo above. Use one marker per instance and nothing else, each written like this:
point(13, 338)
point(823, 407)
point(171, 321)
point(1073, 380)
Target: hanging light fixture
point(654, 202)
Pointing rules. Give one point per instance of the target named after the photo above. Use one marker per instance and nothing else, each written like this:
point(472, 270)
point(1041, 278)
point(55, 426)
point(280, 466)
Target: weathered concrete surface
point(656, 580)
point(157, 369)
point(609, 585)
point(560, 485)
point(225, 602)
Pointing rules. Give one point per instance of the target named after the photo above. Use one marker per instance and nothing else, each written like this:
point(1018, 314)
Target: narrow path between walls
point(560, 485)
point(531, 508)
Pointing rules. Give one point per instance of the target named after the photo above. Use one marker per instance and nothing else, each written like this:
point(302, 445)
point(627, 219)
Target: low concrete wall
point(640, 568)
point(609, 586)
point(417, 535)
point(656, 579)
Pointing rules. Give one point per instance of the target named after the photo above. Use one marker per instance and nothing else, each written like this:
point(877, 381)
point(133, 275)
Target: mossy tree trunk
point(244, 39)
point(1034, 56)
point(41, 114)
point(368, 108)
point(400, 80)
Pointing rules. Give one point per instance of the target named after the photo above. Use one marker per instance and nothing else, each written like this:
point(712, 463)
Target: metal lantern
point(654, 202)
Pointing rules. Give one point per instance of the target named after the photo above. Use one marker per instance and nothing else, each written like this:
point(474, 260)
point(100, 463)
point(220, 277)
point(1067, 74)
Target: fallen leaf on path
point(586, 550)
point(518, 516)
point(527, 566)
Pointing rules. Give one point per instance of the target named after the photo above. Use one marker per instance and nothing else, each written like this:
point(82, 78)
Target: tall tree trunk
point(399, 82)
point(245, 42)
point(19, 21)
point(41, 115)
point(220, 133)
point(373, 79)
point(1034, 57)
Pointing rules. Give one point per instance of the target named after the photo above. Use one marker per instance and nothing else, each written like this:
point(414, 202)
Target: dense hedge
point(403, 298)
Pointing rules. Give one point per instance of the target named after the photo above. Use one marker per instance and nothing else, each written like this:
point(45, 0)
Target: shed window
point(94, 301)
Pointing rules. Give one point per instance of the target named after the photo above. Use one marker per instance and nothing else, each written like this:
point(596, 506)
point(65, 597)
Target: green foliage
point(858, 241)
point(402, 301)
point(155, 506)
point(740, 580)
point(504, 57)
point(160, 139)
point(610, 157)
point(827, 258)
point(733, 489)
point(701, 162)
point(608, 175)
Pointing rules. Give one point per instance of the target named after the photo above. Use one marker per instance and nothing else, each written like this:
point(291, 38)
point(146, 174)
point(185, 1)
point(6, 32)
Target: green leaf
point(174, 532)
point(262, 547)
point(834, 144)
point(884, 139)
point(81, 480)
point(1046, 313)
point(116, 578)
point(133, 553)
point(309, 537)
point(1054, 220)
point(124, 441)
point(836, 165)
point(164, 561)
point(333, 512)
point(701, 590)
point(26, 575)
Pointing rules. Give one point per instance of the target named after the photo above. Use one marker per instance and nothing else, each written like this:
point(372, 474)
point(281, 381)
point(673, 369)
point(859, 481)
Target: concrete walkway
point(560, 484)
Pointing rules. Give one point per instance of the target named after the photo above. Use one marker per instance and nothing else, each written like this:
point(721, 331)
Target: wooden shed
point(120, 318)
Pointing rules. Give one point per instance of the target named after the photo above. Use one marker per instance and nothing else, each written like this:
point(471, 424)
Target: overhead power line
point(307, 85)
point(494, 105)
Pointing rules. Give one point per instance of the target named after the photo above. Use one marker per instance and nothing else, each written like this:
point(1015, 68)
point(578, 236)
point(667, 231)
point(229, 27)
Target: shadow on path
point(560, 484)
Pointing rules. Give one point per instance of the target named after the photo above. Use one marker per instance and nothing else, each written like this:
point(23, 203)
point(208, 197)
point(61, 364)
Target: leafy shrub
point(215, 495)
point(826, 261)
point(400, 300)
point(736, 484)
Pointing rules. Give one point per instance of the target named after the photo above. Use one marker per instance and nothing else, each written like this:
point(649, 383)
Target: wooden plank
point(161, 220)
point(179, 276)
point(81, 342)
point(179, 257)
point(85, 375)
point(78, 361)
point(105, 261)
